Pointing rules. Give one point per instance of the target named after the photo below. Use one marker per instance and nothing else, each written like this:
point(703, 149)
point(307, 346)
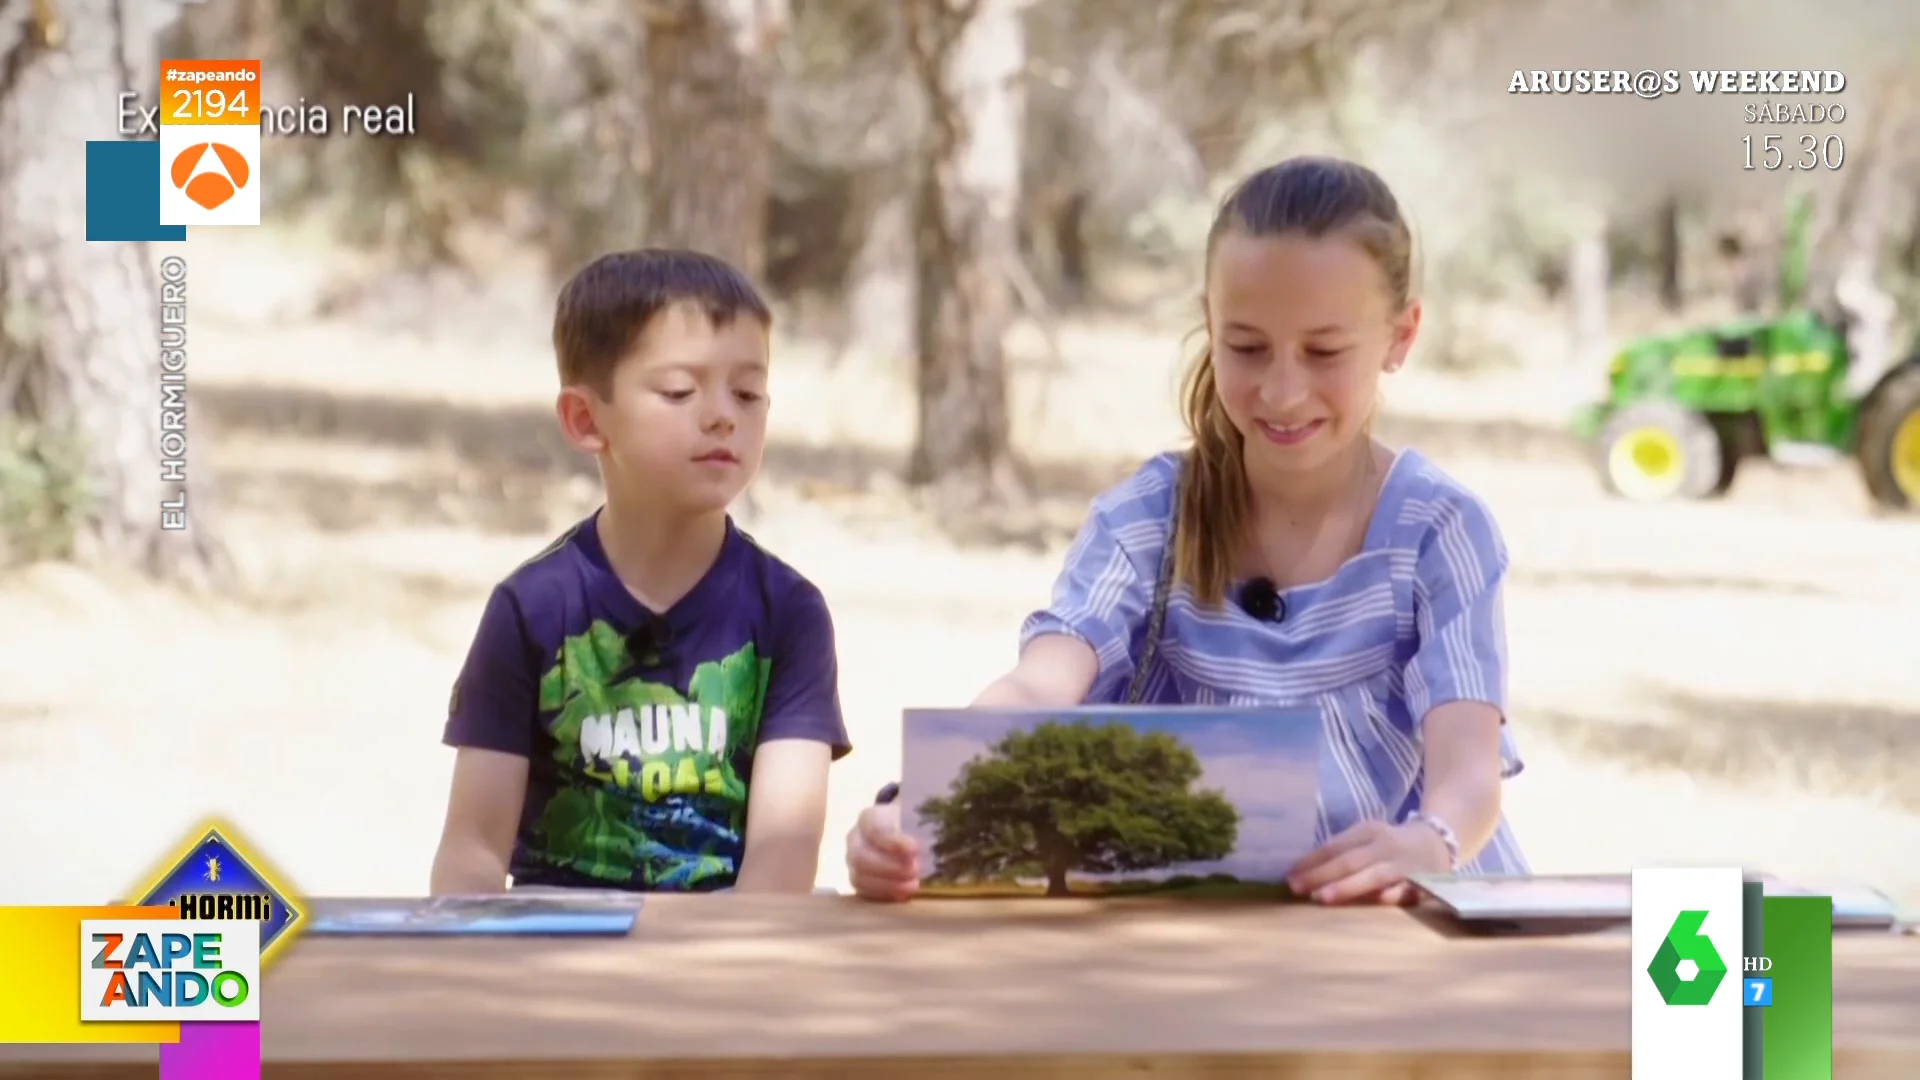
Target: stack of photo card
point(1213, 803)
point(590, 914)
point(1609, 898)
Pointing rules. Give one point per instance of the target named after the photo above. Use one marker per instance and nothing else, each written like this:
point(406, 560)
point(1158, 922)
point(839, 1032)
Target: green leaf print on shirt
point(597, 822)
point(736, 685)
point(584, 666)
point(588, 829)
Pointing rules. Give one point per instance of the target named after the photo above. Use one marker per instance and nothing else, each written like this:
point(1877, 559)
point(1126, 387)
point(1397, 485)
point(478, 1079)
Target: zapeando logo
point(210, 189)
point(1685, 944)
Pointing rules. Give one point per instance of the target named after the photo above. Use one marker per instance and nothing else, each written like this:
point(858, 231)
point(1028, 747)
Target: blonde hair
point(1316, 196)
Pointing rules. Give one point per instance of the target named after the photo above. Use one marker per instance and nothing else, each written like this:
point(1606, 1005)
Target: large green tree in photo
point(1086, 797)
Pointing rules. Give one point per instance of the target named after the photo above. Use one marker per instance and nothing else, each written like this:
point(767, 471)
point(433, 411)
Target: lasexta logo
point(1684, 946)
point(210, 189)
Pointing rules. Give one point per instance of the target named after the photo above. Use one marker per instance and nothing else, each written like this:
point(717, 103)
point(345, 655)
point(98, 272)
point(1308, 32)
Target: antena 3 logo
point(169, 970)
point(210, 174)
point(221, 179)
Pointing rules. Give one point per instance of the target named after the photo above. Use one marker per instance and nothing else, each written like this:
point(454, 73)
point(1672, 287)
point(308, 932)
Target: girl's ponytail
point(1213, 490)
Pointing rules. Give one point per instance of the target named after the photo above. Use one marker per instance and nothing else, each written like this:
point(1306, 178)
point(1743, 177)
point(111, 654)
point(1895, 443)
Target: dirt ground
point(1706, 684)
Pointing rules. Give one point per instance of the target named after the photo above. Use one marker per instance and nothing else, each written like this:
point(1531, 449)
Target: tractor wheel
point(1890, 441)
point(1657, 450)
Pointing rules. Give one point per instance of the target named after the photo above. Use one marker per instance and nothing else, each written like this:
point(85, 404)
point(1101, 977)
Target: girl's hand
point(1369, 863)
point(883, 863)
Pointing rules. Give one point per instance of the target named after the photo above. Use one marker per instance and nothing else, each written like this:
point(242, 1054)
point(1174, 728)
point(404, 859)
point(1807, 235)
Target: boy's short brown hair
point(605, 308)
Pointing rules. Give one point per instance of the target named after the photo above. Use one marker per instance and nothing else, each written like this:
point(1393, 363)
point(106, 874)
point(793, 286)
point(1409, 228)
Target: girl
point(1288, 558)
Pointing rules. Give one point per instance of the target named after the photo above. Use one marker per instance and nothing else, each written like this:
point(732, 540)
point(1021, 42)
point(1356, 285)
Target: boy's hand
point(883, 863)
point(1369, 863)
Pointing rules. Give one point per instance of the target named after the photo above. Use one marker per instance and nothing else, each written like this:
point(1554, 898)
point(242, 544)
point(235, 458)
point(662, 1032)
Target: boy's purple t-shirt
point(640, 729)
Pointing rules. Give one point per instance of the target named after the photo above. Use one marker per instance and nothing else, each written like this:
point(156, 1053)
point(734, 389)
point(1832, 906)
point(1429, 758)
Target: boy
point(651, 703)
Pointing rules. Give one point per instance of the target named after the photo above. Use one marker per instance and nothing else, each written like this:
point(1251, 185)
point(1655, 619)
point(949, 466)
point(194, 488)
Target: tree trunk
point(1869, 309)
point(80, 321)
point(1910, 253)
point(709, 70)
point(1073, 250)
point(1757, 265)
point(1587, 278)
point(880, 289)
point(968, 55)
point(347, 52)
point(1057, 880)
point(216, 31)
point(1672, 256)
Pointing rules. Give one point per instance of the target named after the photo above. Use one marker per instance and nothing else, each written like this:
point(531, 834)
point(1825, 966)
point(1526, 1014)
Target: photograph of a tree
point(1081, 797)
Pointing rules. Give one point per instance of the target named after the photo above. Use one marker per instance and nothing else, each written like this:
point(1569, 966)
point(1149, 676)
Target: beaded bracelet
point(1447, 837)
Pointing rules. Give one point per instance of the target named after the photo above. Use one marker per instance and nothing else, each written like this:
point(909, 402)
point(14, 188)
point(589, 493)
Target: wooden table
point(833, 988)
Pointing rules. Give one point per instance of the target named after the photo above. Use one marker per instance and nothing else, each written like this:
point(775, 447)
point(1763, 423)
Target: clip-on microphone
point(648, 642)
point(1260, 598)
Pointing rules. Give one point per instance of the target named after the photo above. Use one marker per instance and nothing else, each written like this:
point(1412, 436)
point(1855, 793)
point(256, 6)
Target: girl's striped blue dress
point(1412, 621)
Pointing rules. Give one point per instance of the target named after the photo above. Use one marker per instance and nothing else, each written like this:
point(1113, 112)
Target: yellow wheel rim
point(1906, 457)
point(1647, 463)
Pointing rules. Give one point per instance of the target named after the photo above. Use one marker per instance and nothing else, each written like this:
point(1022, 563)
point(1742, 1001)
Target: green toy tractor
point(1684, 409)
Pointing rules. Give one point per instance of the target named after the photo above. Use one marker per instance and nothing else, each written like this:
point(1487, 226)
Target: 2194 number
point(1773, 152)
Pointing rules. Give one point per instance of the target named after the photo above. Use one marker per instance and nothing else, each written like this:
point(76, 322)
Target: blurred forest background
point(914, 179)
point(981, 221)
